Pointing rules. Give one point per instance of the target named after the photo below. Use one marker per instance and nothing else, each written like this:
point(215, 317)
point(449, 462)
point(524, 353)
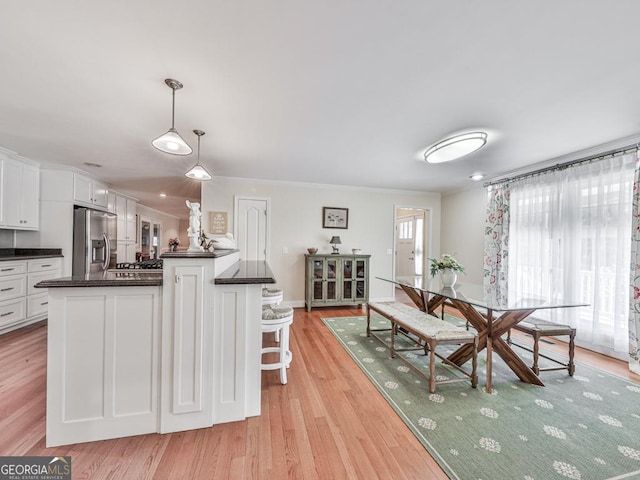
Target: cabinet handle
point(7, 269)
point(177, 278)
point(6, 289)
point(44, 303)
point(45, 266)
point(6, 314)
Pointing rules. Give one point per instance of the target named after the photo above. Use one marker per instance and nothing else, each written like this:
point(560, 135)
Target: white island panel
point(103, 360)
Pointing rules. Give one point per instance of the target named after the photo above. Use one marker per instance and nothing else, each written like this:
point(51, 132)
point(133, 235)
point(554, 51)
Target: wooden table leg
point(490, 331)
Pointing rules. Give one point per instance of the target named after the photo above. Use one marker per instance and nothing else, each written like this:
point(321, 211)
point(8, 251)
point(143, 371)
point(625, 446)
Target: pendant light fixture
point(171, 142)
point(455, 147)
point(198, 172)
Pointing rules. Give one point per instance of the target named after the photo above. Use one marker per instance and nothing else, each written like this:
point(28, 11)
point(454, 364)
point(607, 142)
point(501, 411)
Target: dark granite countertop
point(246, 272)
point(128, 278)
point(28, 253)
point(185, 254)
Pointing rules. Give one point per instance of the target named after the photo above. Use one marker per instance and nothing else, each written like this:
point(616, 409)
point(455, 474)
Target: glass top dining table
point(491, 312)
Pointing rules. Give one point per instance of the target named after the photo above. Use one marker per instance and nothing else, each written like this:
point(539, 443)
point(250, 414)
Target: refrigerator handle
point(107, 251)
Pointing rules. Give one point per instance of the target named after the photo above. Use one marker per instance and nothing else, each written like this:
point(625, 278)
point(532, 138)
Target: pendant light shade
point(455, 147)
point(198, 172)
point(172, 142)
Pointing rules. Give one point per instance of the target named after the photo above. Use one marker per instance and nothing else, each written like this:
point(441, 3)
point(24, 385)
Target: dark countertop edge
point(7, 254)
point(71, 282)
point(246, 272)
point(337, 255)
point(184, 254)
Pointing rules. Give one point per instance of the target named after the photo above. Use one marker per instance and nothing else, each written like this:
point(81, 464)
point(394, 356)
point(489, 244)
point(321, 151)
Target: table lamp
point(335, 241)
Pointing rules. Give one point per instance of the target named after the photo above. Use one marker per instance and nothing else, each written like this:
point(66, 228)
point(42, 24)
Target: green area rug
point(581, 427)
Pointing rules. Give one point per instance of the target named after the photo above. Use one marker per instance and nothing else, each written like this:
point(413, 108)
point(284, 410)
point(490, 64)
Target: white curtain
point(570, 240)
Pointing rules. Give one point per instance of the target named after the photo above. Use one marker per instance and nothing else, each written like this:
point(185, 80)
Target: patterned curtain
point(634, 310)
point(496, 242)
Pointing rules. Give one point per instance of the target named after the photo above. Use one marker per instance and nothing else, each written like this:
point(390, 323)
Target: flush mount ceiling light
point(476, 177)
point(198, 172)
point(172, 142)
point(455, 147)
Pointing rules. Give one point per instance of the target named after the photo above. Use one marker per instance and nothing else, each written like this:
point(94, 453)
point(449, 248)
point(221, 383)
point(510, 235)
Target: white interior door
point(410, 242)
point(251, 227)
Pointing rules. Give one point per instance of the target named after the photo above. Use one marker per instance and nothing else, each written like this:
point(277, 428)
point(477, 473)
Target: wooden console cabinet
point(335, 280)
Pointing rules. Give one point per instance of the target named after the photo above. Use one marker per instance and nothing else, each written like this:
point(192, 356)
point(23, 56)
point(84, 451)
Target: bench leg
point(392, 348)
point(474, 364)
point(432, 366)
point(572, 344)
point(536, 353)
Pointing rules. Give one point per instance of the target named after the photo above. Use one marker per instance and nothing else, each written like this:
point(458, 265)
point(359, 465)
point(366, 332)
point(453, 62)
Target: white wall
point(296, 224)
point(462, 230)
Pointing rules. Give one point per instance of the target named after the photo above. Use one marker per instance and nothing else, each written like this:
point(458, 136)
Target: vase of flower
point(447, 267)
point(448, 277)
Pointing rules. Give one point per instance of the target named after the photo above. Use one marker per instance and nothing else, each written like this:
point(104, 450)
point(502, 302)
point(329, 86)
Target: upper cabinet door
point(20, 202)
point(89, 191)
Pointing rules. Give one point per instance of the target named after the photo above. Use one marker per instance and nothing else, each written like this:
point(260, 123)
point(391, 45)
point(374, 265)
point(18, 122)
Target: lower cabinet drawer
point(12, 311)
point(13, 286)
point(35, 278)
point(37, 304)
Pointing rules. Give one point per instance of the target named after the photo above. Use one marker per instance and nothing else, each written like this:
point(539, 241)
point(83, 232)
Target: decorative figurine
point(193, 232)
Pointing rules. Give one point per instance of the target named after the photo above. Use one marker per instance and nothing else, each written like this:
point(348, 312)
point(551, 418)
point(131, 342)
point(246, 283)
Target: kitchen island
point(154, 351)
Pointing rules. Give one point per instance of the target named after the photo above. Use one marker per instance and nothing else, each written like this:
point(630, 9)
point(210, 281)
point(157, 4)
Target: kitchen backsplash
point(6, 238)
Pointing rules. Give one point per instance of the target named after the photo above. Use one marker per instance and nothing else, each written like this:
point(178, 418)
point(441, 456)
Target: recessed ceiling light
point(163, 195)
point(477, 177)
point(95, 165)
point(455, 147)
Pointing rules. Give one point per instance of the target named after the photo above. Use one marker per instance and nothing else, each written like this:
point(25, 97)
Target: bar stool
point(278, 319)
point(272, 296)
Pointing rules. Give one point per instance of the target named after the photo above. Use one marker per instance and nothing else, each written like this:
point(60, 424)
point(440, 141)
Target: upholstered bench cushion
point(271, 292)
point(270, 312)
point(421, 323)
point(544, 327)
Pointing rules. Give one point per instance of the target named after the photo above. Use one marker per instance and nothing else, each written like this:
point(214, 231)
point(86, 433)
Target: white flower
point(570, 400)
point(454, 452)
point(633, 388)
point(391, 385)
point(544, 403)
point(487, 412)
point(459, 418)
point(352, 342)
point(614, 422)
point(380, 349)
point(566, 470)
point(403, 369)
point(629, 452)
point(490, 445)
point(368, 360)
point(427, 423)
point(523, 438)
point(600, 461)
point(592, 396)
point(554, 432)
point(434, 397)
point(580, 378)
point(441, 378)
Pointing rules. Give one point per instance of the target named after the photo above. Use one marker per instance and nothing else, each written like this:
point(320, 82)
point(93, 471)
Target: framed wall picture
point(333, 217)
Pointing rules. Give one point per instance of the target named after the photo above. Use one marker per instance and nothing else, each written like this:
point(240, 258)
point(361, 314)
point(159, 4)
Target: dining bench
point(428, 332)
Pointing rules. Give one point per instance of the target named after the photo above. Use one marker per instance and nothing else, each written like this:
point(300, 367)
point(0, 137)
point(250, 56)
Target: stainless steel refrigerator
point(94, 241)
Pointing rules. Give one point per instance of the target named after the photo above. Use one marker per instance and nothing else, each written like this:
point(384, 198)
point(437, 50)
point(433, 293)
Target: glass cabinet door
point(331, 282)
point(347, 279)
point(360, 281)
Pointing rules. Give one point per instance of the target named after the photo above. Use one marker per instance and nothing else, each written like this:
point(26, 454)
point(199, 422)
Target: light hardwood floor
point(329, 421)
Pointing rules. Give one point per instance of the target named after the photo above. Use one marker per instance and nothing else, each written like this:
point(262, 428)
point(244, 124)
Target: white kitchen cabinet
point(89, 192)
point(20, 201)
point(20, 302)
point(126, 209)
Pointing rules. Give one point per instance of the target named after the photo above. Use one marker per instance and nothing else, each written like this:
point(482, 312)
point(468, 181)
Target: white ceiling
point(334, 92)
